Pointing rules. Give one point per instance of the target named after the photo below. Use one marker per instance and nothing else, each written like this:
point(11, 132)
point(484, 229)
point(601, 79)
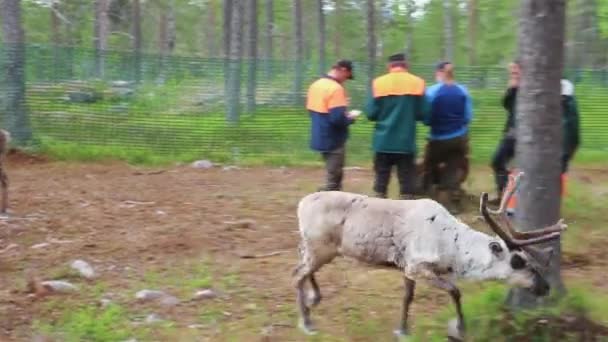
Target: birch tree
point(539, 128)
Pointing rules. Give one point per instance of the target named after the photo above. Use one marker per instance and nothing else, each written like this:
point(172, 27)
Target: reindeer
point(419, 238)
point(5, 139)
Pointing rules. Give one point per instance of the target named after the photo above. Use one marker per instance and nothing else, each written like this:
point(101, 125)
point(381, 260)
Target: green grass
point(183, 120)
point(90, 323)
point(488, 319)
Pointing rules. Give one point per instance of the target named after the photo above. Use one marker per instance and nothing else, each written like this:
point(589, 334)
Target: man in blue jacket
point(326, 103)
point(451, 111)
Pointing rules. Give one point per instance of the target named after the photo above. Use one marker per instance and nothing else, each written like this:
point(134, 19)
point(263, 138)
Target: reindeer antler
point(515, 243)
point(515, 181)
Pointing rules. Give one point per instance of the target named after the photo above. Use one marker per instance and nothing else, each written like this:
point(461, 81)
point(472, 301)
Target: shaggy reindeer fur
point(419, 237)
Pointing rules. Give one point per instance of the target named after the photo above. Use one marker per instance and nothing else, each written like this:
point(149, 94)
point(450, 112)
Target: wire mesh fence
point(142, 107)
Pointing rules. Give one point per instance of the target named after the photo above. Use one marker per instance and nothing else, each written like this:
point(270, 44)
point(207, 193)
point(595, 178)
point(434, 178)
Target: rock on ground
point(59, 286)
point(146, 295)
point(83, 268)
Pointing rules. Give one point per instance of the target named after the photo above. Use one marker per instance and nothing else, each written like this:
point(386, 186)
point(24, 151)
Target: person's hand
point(353, 114)
point(514, 75)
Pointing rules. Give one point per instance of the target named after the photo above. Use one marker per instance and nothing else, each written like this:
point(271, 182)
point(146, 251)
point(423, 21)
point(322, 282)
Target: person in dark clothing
point(397, 102)
point(506, 148)
point(451, 111)
point(326, 103)
point(570, 123)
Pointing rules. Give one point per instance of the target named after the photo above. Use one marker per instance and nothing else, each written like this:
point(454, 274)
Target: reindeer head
point(515, 257)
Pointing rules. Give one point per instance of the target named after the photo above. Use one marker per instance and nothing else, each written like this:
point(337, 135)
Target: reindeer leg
point(455, 294)
point(316, 292)
point(408, 297)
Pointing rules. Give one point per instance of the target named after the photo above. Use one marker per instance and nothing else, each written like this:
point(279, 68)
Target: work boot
point(406, 197)
point(444, 198)
point(379, 195)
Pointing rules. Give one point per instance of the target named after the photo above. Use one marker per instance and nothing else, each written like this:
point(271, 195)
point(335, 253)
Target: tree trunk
point(166, 39)
point(210, 30)
point(337, 26)
point(586, 52)
point(56, 39)
point(322, 37)
point(227, 16)
point(233, 83)
point(371, 40)
point(137, 40)
point(102, 27)
point(409, 27)
point(269, 53)
point(299, 50)
point(473, 14)
point(16, 119)
point(227, 12)
point(252, 53)
point(448, 30)
point(539, 130)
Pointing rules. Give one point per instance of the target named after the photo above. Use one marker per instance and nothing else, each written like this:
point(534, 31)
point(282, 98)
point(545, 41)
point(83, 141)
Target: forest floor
point(230, 230)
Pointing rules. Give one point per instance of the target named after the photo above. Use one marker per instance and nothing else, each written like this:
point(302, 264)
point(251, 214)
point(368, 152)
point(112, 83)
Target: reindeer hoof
point(455, 333)
point(307, 328)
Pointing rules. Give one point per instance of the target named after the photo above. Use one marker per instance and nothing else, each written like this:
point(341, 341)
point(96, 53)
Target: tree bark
point(166, 38)
point(227, 13)
point(56, 39)
point(252, 53)
point(299, 50)
point(137, 40)
point(102, 27)
point(16, 119)
point(448, 33)
point(371, 40)
point(539, 131)
point(409, 27)
point(337, 32)
point(322, 36)
point(586, 52)
point(210, 30)
point(473, 15)
point(227, 16)
point(269, 53)
point(234, 64)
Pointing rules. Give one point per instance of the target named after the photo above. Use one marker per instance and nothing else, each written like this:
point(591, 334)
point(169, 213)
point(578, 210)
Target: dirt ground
point(152, 228)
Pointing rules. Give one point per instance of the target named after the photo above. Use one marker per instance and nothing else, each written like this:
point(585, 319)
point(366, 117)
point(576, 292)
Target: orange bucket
point(513, 201)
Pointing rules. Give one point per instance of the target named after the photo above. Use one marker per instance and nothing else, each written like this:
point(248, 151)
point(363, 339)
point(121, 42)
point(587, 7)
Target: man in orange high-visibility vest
point(396, 103)
point(327, 103)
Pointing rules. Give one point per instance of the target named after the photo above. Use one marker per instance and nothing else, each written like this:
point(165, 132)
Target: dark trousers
point(334, 165)
point(446, 163)
point(503, 155)
point(406, 173)
point(566, 157)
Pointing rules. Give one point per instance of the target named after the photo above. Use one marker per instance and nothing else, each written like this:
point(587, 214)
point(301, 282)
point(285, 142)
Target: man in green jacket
point(397, 102)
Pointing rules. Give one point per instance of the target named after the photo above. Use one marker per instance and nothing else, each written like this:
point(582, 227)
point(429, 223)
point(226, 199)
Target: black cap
point(398, 57)
point(441, 65)
point(346, 64)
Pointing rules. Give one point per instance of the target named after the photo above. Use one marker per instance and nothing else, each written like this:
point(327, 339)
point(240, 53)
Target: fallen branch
point(140, 173)
point(258, 256)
